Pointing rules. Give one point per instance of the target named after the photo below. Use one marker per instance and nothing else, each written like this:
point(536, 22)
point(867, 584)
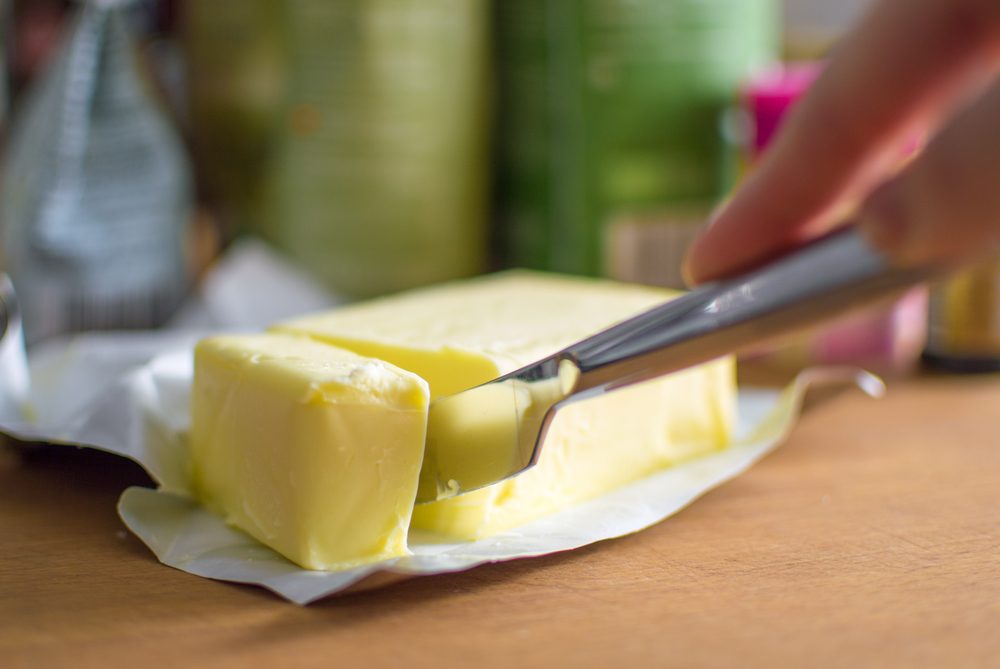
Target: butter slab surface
point(313, 450)
point(462, 334)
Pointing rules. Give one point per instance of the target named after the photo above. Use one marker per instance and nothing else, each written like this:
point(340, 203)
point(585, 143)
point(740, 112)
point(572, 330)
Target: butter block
point(313, 450)
point(459, 335)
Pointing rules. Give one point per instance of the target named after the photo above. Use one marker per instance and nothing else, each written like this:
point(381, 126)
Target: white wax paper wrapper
point(128, 393)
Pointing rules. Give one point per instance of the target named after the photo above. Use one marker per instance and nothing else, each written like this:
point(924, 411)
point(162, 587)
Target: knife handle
point(822, 279)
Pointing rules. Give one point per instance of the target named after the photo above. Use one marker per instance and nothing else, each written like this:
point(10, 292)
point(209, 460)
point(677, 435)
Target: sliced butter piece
point(313, 450)
point(597, 446)
point(459, 335)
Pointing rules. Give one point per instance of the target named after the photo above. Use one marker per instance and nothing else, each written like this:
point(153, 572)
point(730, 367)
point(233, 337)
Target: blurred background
point(379, 145)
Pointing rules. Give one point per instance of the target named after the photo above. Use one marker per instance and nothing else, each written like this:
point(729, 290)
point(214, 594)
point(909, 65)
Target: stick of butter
point(459, 335)
point(313, 450)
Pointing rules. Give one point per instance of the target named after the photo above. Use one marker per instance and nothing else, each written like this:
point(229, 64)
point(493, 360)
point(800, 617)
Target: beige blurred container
point(649, 247)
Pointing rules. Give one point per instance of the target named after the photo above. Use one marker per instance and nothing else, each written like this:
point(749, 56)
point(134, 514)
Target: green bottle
point(612, 107)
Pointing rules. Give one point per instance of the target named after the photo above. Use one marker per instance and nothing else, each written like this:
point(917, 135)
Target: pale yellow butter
point(313, 450)
point(460, 335)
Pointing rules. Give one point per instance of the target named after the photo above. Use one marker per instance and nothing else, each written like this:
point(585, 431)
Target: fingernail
point(686, 274)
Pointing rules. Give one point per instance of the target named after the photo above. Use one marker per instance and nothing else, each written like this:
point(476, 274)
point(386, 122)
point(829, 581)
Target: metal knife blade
point(496, 430)
point(493, 431)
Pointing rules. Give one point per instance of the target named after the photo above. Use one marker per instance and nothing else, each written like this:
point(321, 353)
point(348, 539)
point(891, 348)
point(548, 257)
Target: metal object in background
point(96, 192)
point(4, 41)
point(13, 361)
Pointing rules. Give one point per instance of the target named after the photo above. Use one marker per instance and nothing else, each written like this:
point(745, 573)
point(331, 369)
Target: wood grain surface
point(871, 538)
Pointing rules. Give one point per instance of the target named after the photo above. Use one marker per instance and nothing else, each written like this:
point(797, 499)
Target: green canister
point(353, 134)
point(613, 107)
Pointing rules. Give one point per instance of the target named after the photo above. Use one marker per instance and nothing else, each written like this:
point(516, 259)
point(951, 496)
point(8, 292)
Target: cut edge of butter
point(599, 445)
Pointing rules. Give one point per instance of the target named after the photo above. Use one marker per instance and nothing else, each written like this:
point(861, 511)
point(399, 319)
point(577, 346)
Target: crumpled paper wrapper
point(128, 393)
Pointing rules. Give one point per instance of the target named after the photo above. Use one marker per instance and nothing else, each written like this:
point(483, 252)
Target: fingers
point(901, 67)
point(945, 207)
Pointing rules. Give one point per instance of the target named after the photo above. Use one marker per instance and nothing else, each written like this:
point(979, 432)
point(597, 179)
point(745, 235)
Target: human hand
point(928, 65)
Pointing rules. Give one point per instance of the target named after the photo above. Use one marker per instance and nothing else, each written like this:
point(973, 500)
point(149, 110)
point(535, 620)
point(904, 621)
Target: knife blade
point(496, 430)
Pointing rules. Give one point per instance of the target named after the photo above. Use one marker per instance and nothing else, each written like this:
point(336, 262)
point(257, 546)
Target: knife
point(496, 430)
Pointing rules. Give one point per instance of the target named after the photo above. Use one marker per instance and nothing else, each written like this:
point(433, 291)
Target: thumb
point(945, 206)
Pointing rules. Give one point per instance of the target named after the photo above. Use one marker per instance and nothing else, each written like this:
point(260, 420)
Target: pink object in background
point(889, 338)
point(768, 97)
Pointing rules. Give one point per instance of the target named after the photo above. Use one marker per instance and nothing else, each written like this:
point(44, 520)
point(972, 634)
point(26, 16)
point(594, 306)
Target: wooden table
point(872, 538)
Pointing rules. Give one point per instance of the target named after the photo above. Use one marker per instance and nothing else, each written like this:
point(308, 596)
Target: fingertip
point(687, 272)
point(692, 267)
